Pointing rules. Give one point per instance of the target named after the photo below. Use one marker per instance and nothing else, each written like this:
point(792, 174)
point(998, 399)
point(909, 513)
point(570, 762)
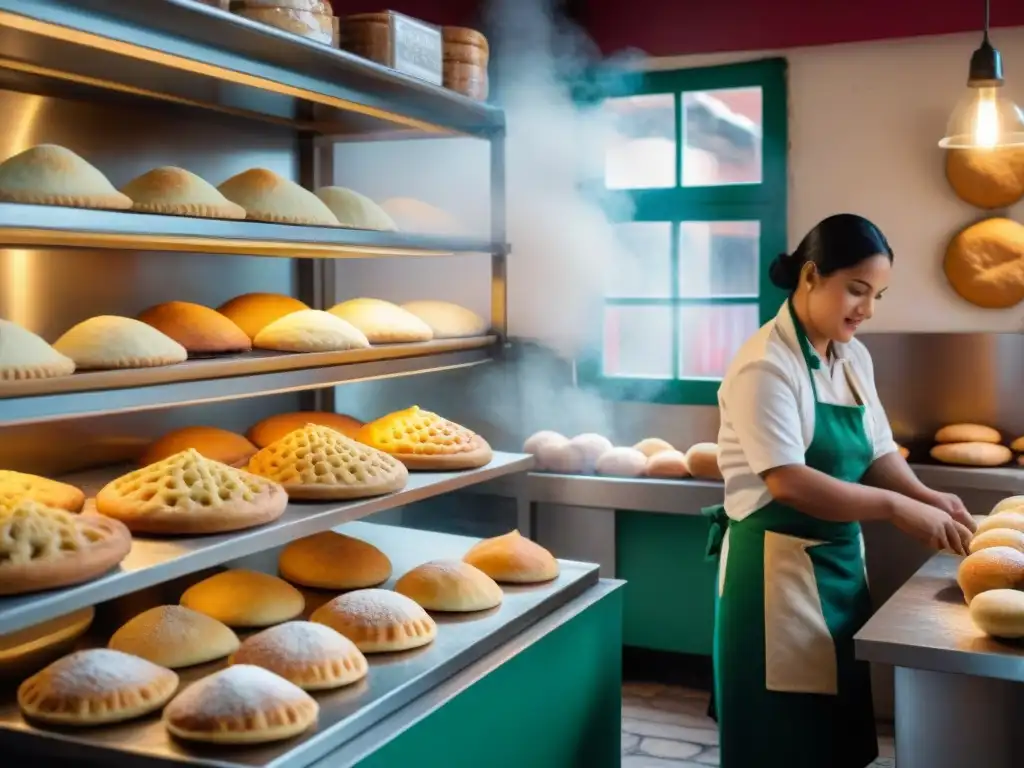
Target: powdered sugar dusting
point(241, 690)
point(296, 641)
point(99, 671)
point(376, 607)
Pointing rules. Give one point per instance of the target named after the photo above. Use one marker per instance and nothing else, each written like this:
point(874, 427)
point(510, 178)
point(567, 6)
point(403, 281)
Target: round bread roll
point(972, 454)
point(621, 462)
point(651, 446)
point(252, 312)
point(330, 560)
point(450, 585)
point(560, 457)
point(998, 537)
point(174, 636)
point(513, 559)
point(1007, 504)
point(985, 263)
point(311, 656)
point(991, 568)
point(537, 439)
point(999, 613)
point(242, 598)
point(1009, 518)
point(212, 442)
point(968, 433)
point(702, 460)
point(28, 650)
point(1017, 446)
point(378, 620)
point(592, 446)
point(986, 178)
point(667, 465)
point(200, 330)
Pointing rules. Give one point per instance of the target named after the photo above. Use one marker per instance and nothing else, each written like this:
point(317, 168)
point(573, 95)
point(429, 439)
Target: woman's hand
point(931, 525)
point(950, 504)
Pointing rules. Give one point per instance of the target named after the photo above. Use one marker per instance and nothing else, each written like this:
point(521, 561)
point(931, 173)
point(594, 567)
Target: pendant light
point(985, 118)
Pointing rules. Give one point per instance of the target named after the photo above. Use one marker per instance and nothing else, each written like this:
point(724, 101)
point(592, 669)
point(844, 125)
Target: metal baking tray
point(157, 560)
point(394, 679)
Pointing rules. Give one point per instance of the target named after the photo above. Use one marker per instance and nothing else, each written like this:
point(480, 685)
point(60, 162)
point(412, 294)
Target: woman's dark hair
point(838, 242)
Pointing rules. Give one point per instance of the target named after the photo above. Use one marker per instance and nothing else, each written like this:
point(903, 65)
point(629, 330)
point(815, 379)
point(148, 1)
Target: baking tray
point(394, 679)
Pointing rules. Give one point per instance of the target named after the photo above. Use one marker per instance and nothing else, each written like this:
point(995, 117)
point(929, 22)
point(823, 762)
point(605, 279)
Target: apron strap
point(719, 524)
point(810, 358)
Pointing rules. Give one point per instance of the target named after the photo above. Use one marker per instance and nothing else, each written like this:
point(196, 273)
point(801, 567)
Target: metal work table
point(958, 692)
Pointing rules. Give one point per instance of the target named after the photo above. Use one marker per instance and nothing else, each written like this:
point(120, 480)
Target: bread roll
point(1017, 446)
point(702, 460)
point(1007, 504)
point(998, 537)
point(650, 446)
point(967, 433)
point(450, 586)
point(252, 312)
point(212, 442)
point(200, 330)
point(667, 465)
point(999, 613)
point(513, 559)
point(1011, 519)
point(986, 178)
point(561, 457)
point(621, 462)
point(592, 446)
point(972, 454)
point(537, 439)
point(985, 263)
point(991, 568)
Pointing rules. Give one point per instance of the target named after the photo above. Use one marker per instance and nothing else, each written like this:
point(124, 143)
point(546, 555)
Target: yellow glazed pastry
point(423, 440)
point(50, 493)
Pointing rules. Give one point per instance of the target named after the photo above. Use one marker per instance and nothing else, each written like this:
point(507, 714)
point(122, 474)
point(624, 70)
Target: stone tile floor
point(668, 727)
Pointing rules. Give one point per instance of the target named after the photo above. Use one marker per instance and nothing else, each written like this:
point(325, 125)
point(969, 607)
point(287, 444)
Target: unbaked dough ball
point(537, 439)
point(560, 457)
point(593, 446)
point(650, 446)
point(621, 462)
point(669, 465)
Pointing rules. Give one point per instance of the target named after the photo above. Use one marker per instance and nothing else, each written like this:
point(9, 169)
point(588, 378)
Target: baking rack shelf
point(156, 560)
point(189, 53)
point(38, 226)
point(227, 378)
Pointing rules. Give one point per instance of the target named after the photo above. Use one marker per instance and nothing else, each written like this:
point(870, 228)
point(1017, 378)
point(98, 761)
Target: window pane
point(710, 336)
point(719, 258)
point(722, 137)
point(638, 342)
point(641, 152)
point(642, 265)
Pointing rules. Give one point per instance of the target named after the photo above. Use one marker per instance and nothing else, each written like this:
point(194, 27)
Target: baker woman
point(807, 454)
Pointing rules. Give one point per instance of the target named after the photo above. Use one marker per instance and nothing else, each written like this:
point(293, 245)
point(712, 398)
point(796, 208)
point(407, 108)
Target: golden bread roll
point(312, 656)
point(378, 620)
point(985, 263)
point(28, 650)
point(23, 355)
point(96, 687)
point(177, 192)
point(702, 461)
point(352, 209)
point(383, 322)
point(48, 174)
point(561, 457)
point(667, 465)
point(621, 462)
point(986, 178)
point(310, 330)
point(991, 568)
point(273, 428)
point(200, 330)
point(649, 446)
point(513, 559)
point(904, 452)
point(1009, 518)
point(109, 342)
point(999, 613)
point(424, 441)
point(317, 463)
point(189, 494)
point(331, 560)
point(592, 446)
point(998, 537)
point(252, 312)
point(51, 493)
point(265, 196)
point(450, 585)
point(972, 454)
point(447, 320)
point(212, 442)
point(968, 433)
point(241, 598)
point(174, 636)
point(242, 704)
point(1017, 446)
point(1007, 504)
point(537, 439)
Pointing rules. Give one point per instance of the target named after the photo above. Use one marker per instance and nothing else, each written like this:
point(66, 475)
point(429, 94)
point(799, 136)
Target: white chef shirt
point(767, 408)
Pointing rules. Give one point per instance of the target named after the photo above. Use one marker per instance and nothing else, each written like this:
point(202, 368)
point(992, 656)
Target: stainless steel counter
point(394, 679)
point(153, 561)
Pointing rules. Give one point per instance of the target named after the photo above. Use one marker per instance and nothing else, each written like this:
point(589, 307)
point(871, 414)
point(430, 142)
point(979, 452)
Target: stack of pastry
point(466, 54)
point(423, 440)
point(973, 445)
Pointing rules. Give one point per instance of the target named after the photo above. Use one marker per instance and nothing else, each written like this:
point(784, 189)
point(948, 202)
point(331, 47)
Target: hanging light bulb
point(985, 118)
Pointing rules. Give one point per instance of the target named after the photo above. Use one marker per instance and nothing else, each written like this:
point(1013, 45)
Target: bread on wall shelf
point(986, 178)
point(984, 263)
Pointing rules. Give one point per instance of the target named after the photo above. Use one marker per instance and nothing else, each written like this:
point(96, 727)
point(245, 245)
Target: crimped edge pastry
point(312, 656)
point(382, 322)
point(332, 560)
point(109, 342)
point(265, 196)
point(50, 493)
point(242, 704)
point(378, 620)
point(24, 355)
point(96, 687)
point(174, 636)
point(49, 174)
point(177, 192)
point(310, 330)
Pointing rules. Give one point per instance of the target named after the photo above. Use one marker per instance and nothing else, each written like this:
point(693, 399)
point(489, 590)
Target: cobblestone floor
point(668, 727)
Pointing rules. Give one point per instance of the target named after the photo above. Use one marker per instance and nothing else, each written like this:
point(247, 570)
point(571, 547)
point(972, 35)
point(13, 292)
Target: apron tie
point(719, 524)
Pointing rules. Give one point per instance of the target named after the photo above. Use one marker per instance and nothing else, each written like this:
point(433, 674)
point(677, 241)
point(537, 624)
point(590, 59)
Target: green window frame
point(764, 202)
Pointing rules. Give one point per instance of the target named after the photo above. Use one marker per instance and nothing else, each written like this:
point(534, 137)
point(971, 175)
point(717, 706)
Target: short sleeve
point(763, 408)
point(881, 433)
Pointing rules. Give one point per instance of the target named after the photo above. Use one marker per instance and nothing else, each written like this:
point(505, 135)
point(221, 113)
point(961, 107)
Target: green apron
point(788, 690)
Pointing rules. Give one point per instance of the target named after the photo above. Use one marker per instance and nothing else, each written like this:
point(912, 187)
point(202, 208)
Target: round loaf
point(1009, 518)
point(991, 568)
point(985, 263)
point(174, 637)
point(1007, 504)
point(449, 585)
point(312, 656)
point(667, 465)
point(252, 312)
point(200, 330)
point(241, 598)
point(968, 433)
point(998, 537)
point(972, 454)
point(986, 178)
point(999, 613)
point(330, 560)
point(538, 439)
point(621, 462)
point(592, 446)
point(378, 620)
point(702, 460)
point(650, 446)
point(212, 442)
point(1017, 446)
point(513, 559)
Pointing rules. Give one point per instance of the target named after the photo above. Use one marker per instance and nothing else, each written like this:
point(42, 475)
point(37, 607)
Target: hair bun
point(784, 271)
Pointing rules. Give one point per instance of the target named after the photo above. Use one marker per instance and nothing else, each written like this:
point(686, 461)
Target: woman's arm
point(892, 473)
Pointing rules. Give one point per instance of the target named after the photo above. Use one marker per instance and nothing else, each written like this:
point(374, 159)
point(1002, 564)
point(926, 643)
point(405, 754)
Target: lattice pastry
point(318, 463)
point(378, 620)
point(44, 547)
point(423, 440)
point(188, 494)
point(18, 485)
